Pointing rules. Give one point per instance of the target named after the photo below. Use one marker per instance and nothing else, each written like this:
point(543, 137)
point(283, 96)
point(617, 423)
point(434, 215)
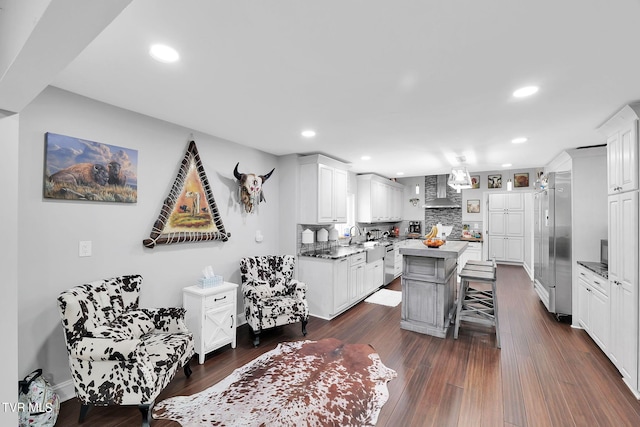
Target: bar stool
point(478, 305)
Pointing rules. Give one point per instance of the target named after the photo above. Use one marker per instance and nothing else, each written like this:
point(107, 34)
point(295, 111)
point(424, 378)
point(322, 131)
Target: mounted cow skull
point(250, 190)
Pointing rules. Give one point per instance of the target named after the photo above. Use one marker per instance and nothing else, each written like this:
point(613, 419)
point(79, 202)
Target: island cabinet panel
point(432, 269)
point(422, 302)
point(428, 307)
point(429, 282)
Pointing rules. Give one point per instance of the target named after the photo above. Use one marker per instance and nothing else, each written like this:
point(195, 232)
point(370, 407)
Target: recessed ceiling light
point(365, 158)
point(308, 133)
point(164, 53)
point(399, 173)
point(519, 140)
point(506, 165)
point(525, 91)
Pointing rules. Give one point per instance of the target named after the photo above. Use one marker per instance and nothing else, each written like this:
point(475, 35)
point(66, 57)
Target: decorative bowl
point(433, 243)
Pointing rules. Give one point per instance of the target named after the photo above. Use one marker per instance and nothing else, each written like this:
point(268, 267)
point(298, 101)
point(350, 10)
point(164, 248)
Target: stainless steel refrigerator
point(552, 242)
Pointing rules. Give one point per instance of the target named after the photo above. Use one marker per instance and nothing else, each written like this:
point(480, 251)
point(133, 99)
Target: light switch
point(84, 248)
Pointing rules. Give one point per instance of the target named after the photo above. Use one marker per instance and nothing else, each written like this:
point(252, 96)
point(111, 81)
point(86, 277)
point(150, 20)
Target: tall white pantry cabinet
point(506, 227)
point(621, 132)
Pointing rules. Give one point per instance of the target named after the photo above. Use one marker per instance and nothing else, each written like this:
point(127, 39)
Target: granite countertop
point(600, 269)
point(471, 239)
point(451, 249)
point(335, 252)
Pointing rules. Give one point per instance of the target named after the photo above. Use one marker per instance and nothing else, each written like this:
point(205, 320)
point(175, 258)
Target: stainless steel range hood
point(441, 200)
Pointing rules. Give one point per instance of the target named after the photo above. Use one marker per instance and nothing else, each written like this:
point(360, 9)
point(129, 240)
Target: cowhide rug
point(326, 382)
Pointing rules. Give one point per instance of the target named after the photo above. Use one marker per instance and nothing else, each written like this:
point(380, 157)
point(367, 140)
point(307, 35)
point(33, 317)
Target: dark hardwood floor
point(546, 374)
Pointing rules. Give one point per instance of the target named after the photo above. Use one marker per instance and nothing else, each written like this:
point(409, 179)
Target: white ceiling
point(410, 83)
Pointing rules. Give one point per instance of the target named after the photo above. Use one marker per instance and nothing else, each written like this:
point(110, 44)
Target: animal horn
point(237, 174)
point(266, 177)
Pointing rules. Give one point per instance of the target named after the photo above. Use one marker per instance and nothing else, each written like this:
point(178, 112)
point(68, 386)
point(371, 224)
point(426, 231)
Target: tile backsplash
point(444, 216)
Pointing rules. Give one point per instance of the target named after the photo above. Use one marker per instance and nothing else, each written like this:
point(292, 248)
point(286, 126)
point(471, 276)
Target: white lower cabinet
point(374, 277)
point(510, 249)
point(473, 252)
point(593, 306)
point(211, 316)
point(335, 285)
point(357, 277)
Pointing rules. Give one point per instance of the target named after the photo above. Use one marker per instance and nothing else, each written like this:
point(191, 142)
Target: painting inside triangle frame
point(189, 213)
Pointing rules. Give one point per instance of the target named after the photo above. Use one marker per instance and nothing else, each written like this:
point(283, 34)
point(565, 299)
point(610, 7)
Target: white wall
point(9, 266)
point(588, 210)
point(478, 193)
point(410, 212)
point(49, 230)
point(288, 180)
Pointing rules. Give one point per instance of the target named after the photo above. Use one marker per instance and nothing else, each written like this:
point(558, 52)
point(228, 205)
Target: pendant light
point(459, 178)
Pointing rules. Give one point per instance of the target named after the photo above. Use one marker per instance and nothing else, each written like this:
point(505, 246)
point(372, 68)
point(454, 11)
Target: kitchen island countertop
point(451, 249)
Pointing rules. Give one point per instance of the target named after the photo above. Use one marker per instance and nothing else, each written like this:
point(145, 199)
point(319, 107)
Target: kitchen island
point(429, 283)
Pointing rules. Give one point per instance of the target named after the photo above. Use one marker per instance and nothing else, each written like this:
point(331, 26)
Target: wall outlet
point(84, 248)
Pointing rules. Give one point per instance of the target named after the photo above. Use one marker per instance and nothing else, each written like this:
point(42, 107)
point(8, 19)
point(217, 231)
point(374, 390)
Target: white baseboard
point(528, 270)
point(241, 319)
point(65, 390)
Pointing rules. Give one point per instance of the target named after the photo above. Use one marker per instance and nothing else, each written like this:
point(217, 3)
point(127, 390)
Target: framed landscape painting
point(79, 169)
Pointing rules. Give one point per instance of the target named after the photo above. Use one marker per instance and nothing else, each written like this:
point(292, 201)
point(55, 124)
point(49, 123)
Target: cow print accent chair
point(120, 354)
point(272, 297)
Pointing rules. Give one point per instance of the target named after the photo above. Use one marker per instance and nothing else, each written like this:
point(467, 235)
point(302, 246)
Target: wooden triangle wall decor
point(189, 213)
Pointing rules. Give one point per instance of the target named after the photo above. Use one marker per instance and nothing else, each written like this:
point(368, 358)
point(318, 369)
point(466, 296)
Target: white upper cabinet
point(379, 199)
point(622, 150)
point(323, 190)
point(506, 202)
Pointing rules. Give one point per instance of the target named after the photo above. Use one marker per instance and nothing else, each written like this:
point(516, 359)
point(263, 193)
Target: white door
point(583, 304)
point(325, 194)
point(496, 247)
point(514, 202)
point(613, 160)
point(339, 196)
point(341, 285)
point(218, 326)
point(514, 248)
point(497, 226)
point(629, 157)
point(497, 202)
point(514, 223)
point(599, 316)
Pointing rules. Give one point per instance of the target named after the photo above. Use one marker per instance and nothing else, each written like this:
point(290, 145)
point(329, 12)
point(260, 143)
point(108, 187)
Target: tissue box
point(208, 282)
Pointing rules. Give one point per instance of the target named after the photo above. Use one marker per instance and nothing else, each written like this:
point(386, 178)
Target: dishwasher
point(389, 263)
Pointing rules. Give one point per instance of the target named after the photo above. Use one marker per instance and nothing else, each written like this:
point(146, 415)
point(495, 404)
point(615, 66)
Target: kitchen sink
point(375, 253)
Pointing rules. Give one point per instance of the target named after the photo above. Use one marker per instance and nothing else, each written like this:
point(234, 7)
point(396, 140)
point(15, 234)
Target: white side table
point(211, 316)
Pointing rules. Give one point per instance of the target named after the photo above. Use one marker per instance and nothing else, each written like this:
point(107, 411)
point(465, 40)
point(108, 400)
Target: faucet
point(351, 235)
